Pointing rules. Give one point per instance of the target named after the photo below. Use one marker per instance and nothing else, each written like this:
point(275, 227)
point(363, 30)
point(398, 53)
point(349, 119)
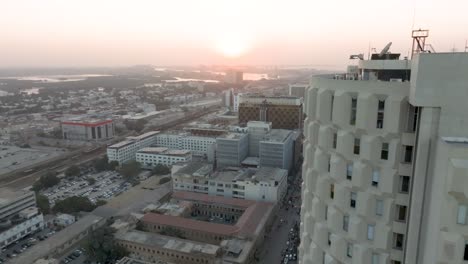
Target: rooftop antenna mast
point(419, 41)
point(466, 45)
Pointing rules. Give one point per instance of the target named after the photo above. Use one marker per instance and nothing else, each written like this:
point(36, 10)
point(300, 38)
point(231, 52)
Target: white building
point(64, 220)
point(126, 150)
point(298, 89)
point(18, 216)
point(231, 149)
point(150, 157)
point(386, 163)
point(198, 145)
point(264, 184)
point(87, 129)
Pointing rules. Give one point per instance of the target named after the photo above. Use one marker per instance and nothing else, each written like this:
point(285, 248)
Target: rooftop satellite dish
point(385, 49)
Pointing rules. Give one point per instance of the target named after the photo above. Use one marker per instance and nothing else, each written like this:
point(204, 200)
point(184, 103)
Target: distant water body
point(56, 78)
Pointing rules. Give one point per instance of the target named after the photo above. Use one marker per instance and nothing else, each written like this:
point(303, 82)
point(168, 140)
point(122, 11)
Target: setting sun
point(232, 45)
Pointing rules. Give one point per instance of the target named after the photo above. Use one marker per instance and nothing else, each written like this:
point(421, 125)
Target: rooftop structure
point(84, 128)
point(126, 150)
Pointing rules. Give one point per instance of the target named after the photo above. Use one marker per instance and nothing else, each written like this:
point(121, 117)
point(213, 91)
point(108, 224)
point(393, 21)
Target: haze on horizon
point(54, 33)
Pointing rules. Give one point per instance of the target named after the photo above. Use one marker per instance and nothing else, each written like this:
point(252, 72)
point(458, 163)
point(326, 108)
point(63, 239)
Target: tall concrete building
point(385, 173)
point(231, 149)
point(282, 112)
point(87, 129)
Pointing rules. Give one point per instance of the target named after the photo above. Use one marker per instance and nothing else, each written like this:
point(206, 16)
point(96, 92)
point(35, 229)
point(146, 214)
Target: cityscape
point(190, 145)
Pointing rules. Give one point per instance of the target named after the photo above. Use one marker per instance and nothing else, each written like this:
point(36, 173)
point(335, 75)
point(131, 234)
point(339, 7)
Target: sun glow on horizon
point(232, 45)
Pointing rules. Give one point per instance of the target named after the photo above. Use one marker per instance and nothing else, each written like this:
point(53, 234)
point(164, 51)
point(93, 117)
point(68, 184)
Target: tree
point(161, 169)
point(91, 181)
point(113, 164)
point(130, 170)
point(45, 181)
point(43, 203)
point(101, 246)
point(164, 180)
point(72, 171)
point(101, 202)
point(73, 204)
point(101, 164)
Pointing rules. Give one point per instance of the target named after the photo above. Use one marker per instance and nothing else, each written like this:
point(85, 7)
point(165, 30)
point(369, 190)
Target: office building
point(234, 77)
point(262, 184)
point(231, 149)
point(126, 150)
point(282, 112)
point(198, 145)
point(298, 90)
point(152, 156)
point(19, 216)
point(87, 129)
point(386, 162)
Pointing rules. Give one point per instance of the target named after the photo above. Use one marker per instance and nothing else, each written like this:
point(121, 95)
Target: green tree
point(101, 164)
point(43, 203)
point(91, 181)
point(45, 181)
point(161, 169)
point(113, 164)
point(101, 246)
point(73, 204)
point(164, 180)
point(72, 171)
point(130, 170)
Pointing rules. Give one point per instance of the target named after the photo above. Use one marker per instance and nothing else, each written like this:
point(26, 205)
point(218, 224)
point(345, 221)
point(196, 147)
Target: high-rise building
point(385, 172)
point(282, 112)
point(234, 77)
point(298, 89)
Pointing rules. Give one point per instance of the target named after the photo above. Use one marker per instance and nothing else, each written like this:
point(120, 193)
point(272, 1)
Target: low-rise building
point(198, 145)
point(152, 156)
point(262, 184)
point(64, 220)
point(126, 150)
point(19, 216)
point(88, 129)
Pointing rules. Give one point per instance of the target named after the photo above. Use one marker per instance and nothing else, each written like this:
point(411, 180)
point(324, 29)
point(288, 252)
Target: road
point(289, 214)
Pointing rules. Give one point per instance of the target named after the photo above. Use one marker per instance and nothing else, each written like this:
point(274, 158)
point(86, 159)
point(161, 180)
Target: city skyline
point(118, 33)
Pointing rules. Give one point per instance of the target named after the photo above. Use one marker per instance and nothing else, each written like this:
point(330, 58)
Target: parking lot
point(24, 244)
point(107, 185)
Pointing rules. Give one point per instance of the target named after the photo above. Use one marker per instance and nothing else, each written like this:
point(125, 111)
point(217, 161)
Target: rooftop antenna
point(419, 41)
point(385, 49)
point(466, 45)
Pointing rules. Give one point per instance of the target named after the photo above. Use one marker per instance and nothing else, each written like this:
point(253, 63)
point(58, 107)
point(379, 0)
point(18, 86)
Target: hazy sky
point(192, 32)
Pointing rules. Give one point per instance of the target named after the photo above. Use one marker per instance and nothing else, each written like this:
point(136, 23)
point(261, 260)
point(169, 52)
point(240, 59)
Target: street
point(283, 238)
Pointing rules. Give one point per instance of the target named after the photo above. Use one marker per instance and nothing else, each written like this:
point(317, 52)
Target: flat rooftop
point(86, 121)
point(197, 169)
point(144, 136)
point(167, 242)
point(232, 136)
point(8, 195)
point(165, 151)
point(277, 135)
point(121, 144)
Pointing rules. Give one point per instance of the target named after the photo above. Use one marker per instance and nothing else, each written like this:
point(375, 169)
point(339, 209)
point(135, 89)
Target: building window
point(408, 155)
point(357, 146)
point(465, 254)
point(461, 214)
point(404, 184)
point(375, 258)
point(352, 120)
point(332, 191)
point(335, 139)
point(380, 113)
point(326, 212)
point(384, 152)
point(329, 238)
point(353, 200)
point(401, 213)
point(331, 107)
point(370, 232)
point(375, 177)
point(398, 241)
point(345, 222)
point(349, 250)
point(379, 207)
point(349, 171)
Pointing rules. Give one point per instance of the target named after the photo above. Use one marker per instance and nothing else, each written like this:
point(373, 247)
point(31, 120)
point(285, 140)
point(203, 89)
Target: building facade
point(263, 184)
point(88, 129)
point(385, 152)
point(150, 157)
point(198, 145)
point(282, 112)
point(231, 149)
point(126, 150)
